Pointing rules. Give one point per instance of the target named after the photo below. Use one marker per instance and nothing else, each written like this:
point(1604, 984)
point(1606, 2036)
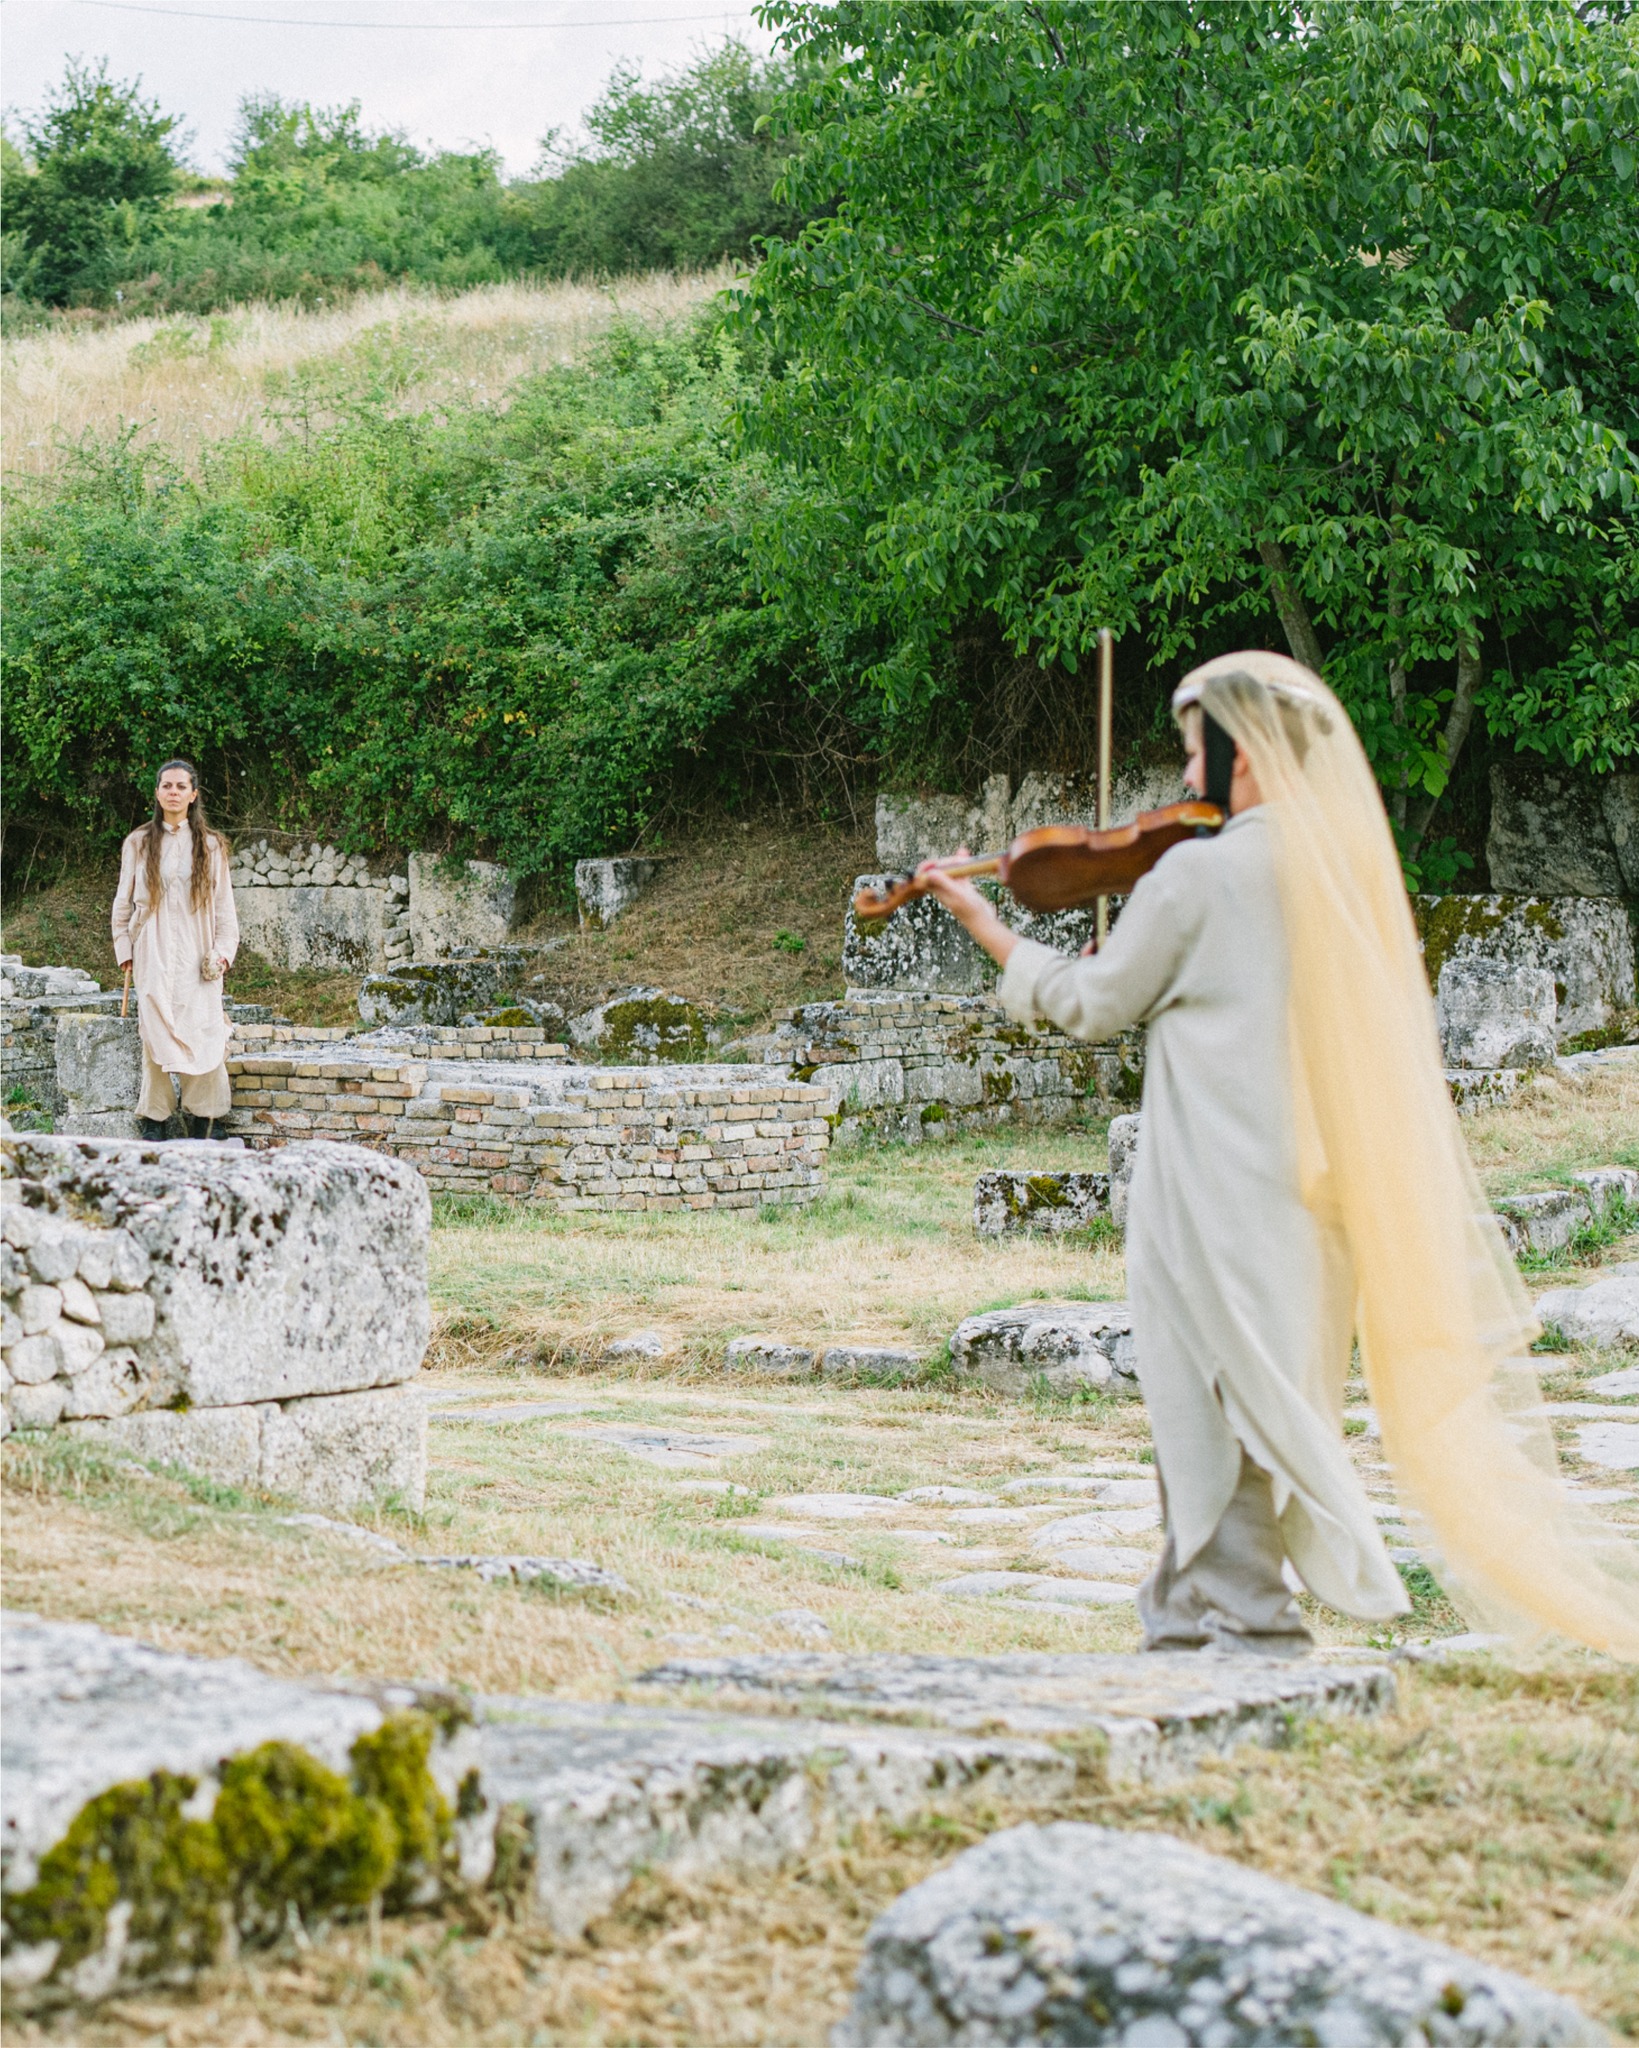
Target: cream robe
point(180, 1016)
point(1243, 1305)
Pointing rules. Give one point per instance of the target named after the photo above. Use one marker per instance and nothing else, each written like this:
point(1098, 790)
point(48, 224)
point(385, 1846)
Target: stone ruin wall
point(251, 1318)
point(569, 1136)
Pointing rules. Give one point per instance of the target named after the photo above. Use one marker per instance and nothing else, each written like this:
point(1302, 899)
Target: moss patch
point(1443, 922)
point(286, 1833)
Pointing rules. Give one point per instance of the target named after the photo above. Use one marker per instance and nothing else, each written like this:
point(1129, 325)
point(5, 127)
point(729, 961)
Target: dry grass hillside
point(183, 383)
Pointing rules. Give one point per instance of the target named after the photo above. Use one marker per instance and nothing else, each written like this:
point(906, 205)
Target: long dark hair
point(204, 837)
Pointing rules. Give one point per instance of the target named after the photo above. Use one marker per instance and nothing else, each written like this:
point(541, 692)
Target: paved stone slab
point(1064, 1345)
point(677, 1449)
point(1613, 1445)
point(611, 1790)
point(1070, 1934)
point(1157, 1714)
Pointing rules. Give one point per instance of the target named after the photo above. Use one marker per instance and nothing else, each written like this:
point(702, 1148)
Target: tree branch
point(1294, 613)
point(1461, 717)
point(1049, 32)
point(944, 319)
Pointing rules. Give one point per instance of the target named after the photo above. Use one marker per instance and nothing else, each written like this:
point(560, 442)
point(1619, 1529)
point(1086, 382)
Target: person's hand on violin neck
point(970, 910)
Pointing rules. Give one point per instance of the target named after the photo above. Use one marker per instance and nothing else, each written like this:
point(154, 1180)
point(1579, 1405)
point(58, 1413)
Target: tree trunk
point(1461, 717)
point(1294, 613)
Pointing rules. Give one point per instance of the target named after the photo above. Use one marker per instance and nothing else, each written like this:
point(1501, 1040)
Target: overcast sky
point(457, 83)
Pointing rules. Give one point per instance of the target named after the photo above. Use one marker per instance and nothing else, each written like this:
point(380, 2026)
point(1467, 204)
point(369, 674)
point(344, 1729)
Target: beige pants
point(202, 1094)
point(1232, 1594)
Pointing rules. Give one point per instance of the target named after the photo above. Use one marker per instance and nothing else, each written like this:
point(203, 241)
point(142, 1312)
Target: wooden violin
point(1062, 867)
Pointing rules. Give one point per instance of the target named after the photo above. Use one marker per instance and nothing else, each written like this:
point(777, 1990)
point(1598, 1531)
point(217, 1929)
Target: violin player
point(1301, 1183)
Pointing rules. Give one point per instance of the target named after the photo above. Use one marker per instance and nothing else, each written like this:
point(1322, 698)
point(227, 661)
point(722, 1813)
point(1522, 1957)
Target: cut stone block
point(458, 906)
point(1050, 1202)
point(870, 1362)
point(643, 1027)
point(334, 1451)
point(769, 1357)
point(337, 1451)
point(1552, 831)
point(606, 889)
point(99, 1074)
point(1495, 1013)
point(609, 1791)
point(1062, 1344)
point(1156, 1716)
point(88, 1711)
point(1605, 1314)
point(1587, 946)
point(1020, 1939)
point(223, 1444)
point(272, 1275)
point(436, 992)
point(1474, 1088)
point(328, 926)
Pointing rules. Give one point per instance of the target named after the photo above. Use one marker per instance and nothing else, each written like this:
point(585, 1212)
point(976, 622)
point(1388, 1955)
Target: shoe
point(203, 1126)
point(152, 1129)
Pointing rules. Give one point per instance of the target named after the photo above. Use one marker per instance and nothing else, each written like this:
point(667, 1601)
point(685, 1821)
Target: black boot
point(204, 1127)
point(152, 1128)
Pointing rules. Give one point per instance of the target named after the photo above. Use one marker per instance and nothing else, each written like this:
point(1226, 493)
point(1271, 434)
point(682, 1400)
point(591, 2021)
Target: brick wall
point(549, 1131)
point(906, 1064)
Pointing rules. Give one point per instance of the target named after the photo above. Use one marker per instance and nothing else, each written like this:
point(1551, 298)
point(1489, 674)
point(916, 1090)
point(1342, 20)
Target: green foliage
point(104, 163)
point(1182, 318)
point(680, 174)
point(536, 627)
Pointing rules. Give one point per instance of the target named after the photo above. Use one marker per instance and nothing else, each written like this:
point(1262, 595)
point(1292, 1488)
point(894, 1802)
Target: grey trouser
point(202, 1094)
point(1231, 1595)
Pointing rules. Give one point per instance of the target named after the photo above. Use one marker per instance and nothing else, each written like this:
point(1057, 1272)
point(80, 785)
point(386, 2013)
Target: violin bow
point(1106, 701)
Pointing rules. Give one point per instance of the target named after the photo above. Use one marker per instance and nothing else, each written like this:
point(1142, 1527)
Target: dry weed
point(184, 383)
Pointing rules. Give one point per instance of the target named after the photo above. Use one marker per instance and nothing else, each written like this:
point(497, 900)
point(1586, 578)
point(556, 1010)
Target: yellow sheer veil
point(1443, 1321)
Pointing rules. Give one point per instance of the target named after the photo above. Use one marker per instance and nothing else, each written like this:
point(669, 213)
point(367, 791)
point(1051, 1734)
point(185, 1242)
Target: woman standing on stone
point(175, 927)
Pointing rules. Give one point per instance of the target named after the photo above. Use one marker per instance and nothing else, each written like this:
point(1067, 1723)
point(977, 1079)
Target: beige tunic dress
point(1242, 1304)
point(184, 1028)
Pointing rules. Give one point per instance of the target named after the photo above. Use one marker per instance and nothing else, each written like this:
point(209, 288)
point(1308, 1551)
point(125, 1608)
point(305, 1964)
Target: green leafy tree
point(679, 173)
point(1178, 318)
point(104, 163)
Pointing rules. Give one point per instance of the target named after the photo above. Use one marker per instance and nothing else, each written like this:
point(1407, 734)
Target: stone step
point(100, 1729)
point(1020, 1939)
point(1155, 1716)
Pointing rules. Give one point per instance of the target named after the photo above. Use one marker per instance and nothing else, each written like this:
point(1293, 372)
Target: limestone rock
point(1020, 1939)
point(770, 1358)
point(276, 1274)
point(922, 947)
point(1157, 1716)
point(563, 1574)
point(429, 991)
point(642, 1027)
point(870, 1362)
point(99, 1073)
point(1543, 1222)
point(1552, 831)
point(458, 906)
point(1006, 1202)
point(606, 889)
point(1124, 1132)
point(1064, 1344)
point(339, 1450)
point(328, 924)
point(1586, 946)
point(1605, 1314)
point(223, 1444)
point(1492, 1014)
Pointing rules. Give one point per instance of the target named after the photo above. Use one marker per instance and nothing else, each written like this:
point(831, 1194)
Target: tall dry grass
point(184, 383)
